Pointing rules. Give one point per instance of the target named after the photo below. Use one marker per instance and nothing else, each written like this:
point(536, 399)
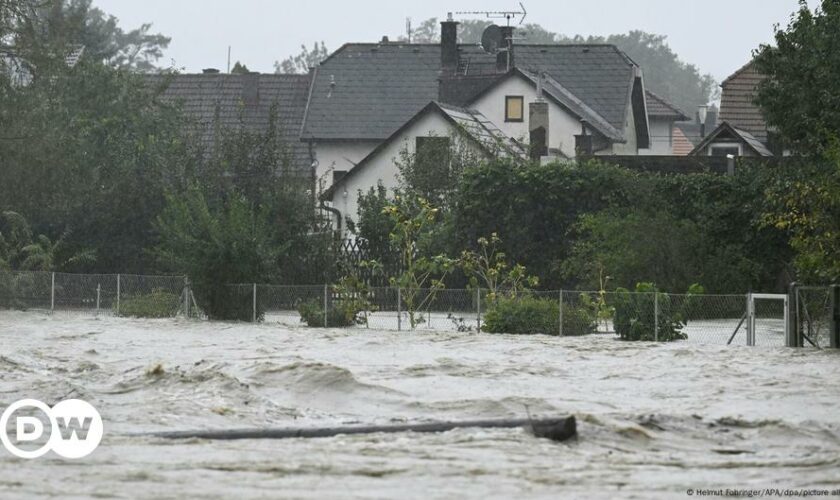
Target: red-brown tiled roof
point(736, 103)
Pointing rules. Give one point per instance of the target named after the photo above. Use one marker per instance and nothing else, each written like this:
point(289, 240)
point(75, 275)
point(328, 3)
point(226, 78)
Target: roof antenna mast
point(507, 15)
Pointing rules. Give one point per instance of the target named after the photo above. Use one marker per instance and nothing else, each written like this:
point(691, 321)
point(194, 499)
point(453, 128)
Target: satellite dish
point(492, 39)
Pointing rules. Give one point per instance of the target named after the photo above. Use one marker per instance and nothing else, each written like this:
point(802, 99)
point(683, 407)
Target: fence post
point(750, 319)
point(834, 333)
point(118, 294)
point(478, 303)
point(187, 296)
point(254, 312)
point(561, 313)
point(656, 316)
point(792, 326)
point(52, 294)
point(326, 306)
point(98, 294)
point(399, 309)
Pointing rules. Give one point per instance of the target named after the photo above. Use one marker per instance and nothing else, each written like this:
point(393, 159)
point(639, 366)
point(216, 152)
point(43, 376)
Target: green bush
point(158, 304)
point(527, 315)
point(635, 313)
point(339, 315)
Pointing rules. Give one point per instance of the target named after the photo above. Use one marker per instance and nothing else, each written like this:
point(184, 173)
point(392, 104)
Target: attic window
point(514, 108)
point(725, 149)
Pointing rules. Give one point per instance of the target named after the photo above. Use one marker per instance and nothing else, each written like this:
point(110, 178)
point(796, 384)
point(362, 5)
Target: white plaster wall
point(628, 148)
point(562, 126)
point(661, 138)
point(383, 166)
point(339, 155)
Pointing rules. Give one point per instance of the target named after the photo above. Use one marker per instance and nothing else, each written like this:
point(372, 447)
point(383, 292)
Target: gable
point(736, 102)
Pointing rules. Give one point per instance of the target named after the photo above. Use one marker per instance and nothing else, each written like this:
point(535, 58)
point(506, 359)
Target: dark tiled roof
point(242, 100)
point(736, 102)
point(567, 99)
point(366, 91)
point(659, 107)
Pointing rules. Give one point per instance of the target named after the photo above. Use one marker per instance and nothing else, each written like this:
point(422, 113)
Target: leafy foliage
point(571, 224)
point(422, 275)
point(488, 268)
point(157, 304)
point(302, 62)
point(529, 315)
point(801, 96)
point(218, 244)
point(636, 317)
point(50, 30)
point(90, 152)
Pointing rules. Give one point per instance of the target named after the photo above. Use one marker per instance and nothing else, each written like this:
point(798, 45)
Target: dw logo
point(75, 428)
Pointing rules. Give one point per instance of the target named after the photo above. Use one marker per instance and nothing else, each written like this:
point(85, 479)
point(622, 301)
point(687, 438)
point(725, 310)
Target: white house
point(367, 102)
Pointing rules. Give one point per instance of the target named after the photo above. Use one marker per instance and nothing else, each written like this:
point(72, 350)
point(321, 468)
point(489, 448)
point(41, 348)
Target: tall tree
point(53, 29)
point(300, 63)
point(801, 96)
point(800, 100)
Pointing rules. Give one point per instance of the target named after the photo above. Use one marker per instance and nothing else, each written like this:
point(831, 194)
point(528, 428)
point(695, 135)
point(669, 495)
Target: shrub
point(158, 304)
point(528, 315)
point(635, 314)
point(340, 315)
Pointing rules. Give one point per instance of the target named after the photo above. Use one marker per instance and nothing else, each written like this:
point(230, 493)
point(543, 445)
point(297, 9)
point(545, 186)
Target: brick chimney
point(504, 59)
point(449, 56)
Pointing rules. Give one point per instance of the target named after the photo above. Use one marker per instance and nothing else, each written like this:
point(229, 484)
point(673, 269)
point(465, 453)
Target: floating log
point(556, 429)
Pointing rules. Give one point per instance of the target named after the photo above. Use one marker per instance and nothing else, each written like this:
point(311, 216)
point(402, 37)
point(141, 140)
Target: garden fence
point(811, 313)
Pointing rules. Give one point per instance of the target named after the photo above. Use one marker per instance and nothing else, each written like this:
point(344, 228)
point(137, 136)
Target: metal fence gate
point(768, 319)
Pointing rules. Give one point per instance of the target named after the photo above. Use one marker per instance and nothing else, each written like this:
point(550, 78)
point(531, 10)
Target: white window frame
point(726, 145)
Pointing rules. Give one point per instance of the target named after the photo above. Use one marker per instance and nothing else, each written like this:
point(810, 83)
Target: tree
point(306, 59)
point(422, 275)
point(801, 96)
point(239, 69)
point(92, 150)
point(52, 29)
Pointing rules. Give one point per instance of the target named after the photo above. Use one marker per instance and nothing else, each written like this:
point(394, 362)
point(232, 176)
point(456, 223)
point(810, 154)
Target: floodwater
point(653, 420)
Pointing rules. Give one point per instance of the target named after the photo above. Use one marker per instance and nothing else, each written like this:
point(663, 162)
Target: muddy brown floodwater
point(653, 420)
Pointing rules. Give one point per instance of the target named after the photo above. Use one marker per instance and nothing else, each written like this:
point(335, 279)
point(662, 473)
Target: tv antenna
point(501, 14)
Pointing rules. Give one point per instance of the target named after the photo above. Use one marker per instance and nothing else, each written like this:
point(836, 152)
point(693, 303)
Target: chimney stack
point(538, 123)
point(504, 59)
point(449, 57)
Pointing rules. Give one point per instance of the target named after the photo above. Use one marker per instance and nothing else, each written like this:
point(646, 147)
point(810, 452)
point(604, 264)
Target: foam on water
point(654, 420)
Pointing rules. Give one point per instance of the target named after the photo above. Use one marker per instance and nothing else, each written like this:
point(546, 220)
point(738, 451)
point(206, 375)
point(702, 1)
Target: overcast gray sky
point(715, 35)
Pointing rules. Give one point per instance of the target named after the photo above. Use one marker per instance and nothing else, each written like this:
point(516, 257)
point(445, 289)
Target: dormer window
point(514, 108)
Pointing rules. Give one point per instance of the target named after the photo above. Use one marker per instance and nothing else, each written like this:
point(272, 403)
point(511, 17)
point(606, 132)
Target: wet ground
point(654, 420)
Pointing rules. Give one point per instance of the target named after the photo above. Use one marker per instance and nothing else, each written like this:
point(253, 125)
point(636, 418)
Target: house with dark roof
point(350, 117)
point(663, 118)
point(368, 101)
point(742, 130)
point(232, 101)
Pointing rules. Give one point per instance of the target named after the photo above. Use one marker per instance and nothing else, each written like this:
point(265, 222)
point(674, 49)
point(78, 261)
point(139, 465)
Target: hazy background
point(716, 35)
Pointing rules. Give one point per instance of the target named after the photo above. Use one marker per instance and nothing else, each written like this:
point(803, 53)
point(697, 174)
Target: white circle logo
point(76, 429)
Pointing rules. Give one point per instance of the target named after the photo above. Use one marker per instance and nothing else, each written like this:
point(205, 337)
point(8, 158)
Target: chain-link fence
point(815, 310)
point(93, 294)
point(765, 320)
